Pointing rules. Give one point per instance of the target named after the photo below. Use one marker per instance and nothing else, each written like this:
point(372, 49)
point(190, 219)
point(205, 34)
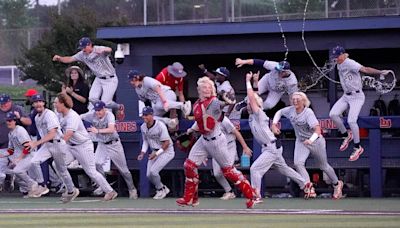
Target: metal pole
point(326, 9)
point(232, 10)
point(59, 7)
point(144, 12)
point(12, 76)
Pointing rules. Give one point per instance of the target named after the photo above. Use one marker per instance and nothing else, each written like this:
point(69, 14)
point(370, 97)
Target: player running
point(109, 144)
point(208, 115)
point(308, 140)
point(271, 148)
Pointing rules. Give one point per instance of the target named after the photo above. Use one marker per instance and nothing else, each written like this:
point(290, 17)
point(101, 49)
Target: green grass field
point(212, 212)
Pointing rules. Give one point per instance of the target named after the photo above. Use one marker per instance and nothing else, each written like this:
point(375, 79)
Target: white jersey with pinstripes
point(155, 135)
point(101, 124)
point(99, 64)
point(227, 87)
point(349, 75)
point(259, 125)
point(72, 121)
point(16, 139)
point(273, 82)
point(46, 121)
point(146, 90)
point(303, 123)
point(227, 128)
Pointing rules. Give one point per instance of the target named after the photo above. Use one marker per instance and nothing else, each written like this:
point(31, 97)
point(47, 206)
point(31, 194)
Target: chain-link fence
point(156, 12)
point(14, 41)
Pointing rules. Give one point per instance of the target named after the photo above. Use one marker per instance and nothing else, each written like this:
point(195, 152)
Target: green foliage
point(15, 14)
point(62, 40)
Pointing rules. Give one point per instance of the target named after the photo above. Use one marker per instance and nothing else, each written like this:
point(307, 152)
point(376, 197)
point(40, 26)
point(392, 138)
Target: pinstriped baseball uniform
point(46, 121)
point(17, 138)
point(100, 65)
point(353, 97)
point(304, 124)
point(213, 143)
point(227, 87)
point(227, 128)
point(154, 136)
point(276, 85)
point(270, 155)
point(109, 145)
point(146, 92)
point(82, 148)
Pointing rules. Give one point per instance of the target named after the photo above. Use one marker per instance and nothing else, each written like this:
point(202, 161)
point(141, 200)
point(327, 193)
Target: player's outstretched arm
point(250, 93)
point(372, 71)
point(63, 59)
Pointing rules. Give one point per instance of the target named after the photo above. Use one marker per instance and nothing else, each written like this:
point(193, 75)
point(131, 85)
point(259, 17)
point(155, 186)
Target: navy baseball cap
point(11, 116)
point(147, 110)
point(99, 105)
point(283, 65)
point(133, 74)
point(338, 50)
point(83, 42)
point(37, 97)
point(4, 98)
point(222, 71)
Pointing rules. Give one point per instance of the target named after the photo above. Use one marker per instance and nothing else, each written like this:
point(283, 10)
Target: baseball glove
point(185, 141)
point(229, 98)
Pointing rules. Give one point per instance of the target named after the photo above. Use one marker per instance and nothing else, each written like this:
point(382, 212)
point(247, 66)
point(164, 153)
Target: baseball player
point(7, 105)
point(225, 90)
point(231, 134)
point(52, 145)
point(106, 82)
point(308, 140)
point(271, 148)
point(162, 97)
point(208, 115)
point(278, 81)
point(79, 143)
point(155, 135)
point(19, 155)
point(109, 143)
point(352, 98)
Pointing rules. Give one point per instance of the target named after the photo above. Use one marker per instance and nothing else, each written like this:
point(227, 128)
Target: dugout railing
point(382, 152)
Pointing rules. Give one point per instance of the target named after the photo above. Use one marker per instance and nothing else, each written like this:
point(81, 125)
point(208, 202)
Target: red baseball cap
point(30, 92)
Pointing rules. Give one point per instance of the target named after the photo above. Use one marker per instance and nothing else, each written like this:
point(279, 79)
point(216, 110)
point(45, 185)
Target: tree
point(37, 64)
point(15, 14)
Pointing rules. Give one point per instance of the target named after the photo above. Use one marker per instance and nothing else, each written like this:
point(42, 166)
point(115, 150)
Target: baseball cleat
point(356, 153)
point(228, 196)
point(66, 198)
point(182, 202)
point(133, 194)
point(110, 196)
point(98, 191)
point(309, 191)
point(337, 192)
point(346, 141)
